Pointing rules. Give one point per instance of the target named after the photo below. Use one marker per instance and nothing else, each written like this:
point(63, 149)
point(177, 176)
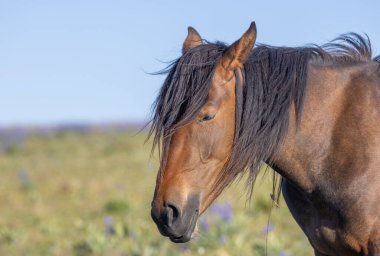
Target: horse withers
point(312, 113)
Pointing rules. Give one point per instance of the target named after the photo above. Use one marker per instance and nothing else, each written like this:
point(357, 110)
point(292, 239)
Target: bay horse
point(311, 113)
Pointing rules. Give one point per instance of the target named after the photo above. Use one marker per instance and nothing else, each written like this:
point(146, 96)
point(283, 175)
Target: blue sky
point(86, 61)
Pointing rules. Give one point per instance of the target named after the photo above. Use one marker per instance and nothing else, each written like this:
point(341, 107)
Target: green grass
point(57, 192)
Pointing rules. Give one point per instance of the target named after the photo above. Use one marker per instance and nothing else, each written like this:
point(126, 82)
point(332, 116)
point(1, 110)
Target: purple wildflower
point(224, 211)
point(23, 175)
point(183, 247)
point(214, 208)
point(268, 228)
point(108, 223)
point(24, 179)
point(204, 224)
point(223, 239)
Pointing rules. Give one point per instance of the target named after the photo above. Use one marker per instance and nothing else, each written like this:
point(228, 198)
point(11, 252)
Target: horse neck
point(308, 143)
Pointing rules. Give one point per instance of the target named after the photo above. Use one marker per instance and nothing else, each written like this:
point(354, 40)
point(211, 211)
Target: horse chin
point(189, 234)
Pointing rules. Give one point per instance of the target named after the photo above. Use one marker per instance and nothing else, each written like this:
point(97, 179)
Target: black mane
point(274, 79)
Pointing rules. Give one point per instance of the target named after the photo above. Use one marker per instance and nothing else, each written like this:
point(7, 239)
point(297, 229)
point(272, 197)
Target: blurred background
point(76, 176)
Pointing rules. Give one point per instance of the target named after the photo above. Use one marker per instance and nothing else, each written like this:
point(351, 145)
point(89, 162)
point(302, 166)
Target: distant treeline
point(13, 136)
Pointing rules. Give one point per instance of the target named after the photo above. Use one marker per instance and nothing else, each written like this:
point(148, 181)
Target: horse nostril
point(172, 214)
point(175, 210)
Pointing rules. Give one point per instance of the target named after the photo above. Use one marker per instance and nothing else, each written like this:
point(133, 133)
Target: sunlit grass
point(90, 194)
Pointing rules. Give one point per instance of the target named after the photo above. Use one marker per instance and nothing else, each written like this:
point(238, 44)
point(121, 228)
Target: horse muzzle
point(177, 223)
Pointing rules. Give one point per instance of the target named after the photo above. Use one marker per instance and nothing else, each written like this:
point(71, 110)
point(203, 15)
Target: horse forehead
point(222, 84)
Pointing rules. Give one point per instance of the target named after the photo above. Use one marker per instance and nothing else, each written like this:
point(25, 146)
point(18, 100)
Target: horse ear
point(192, 40)
point(238, 52)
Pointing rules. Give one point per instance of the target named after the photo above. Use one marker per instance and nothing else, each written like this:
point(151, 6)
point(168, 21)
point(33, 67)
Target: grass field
point(89, 194)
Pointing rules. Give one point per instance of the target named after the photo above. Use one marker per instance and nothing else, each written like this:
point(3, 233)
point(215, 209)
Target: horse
point(311, 113)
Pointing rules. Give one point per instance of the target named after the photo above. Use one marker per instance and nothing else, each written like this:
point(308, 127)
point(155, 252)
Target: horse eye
point(207, 117)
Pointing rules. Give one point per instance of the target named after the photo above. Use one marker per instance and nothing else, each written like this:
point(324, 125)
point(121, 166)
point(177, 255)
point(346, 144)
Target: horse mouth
point(181, 239)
